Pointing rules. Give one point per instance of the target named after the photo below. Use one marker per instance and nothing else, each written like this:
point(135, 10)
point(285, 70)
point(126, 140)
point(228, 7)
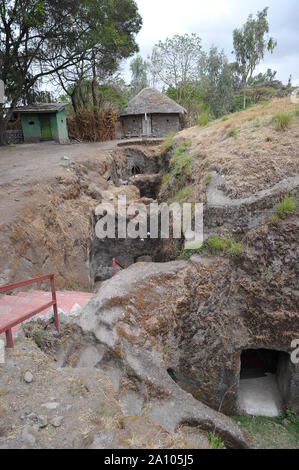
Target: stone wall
point(15, 137)
point(165, 124)
point(162, 125)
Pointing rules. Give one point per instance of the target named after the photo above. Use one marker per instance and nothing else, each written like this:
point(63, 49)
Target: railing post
point(54, 299)
point(114, 266)
point(9, 339)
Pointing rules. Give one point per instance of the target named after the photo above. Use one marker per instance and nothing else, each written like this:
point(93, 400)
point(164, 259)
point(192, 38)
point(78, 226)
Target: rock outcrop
point(179, 328)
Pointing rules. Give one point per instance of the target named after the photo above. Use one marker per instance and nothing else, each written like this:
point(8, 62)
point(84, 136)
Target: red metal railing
point(115, 264)
point(7, 322)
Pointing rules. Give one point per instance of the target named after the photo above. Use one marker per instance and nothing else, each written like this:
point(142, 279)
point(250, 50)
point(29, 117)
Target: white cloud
point(214, 21)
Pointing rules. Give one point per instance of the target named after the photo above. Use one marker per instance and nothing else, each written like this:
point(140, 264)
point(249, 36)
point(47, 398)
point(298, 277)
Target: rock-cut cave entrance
point(264, 382)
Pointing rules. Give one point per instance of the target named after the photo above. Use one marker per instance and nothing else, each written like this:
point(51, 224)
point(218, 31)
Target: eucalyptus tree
point(250, 44)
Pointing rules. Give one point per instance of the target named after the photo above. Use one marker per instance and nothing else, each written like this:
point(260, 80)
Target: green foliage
point(286, 207)
point(207, 179)
point(203, 118)
point(297, 112)
point(217, 81)
point(168, 143)
point(271, 433)
point(77, 41)
point(224, 245)
point(182, 195)
point(292, 418)
point(139, 80)
point(237, 104)
point(39, 338)
point(215, 442)
point(232, 133)
point(187, 254)
point(180, 161)
point(250, 44)
point(282, 121)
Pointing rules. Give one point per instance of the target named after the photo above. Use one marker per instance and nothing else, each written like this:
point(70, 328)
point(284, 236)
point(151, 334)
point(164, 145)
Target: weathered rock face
point(191, 321)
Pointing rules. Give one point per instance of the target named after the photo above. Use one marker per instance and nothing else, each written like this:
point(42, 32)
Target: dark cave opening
point(264, 381)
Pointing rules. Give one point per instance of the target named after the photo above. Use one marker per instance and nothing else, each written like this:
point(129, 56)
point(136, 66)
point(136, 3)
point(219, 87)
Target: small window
point(31, 123)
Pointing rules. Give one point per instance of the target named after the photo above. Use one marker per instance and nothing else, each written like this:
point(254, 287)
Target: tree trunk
point(3, 125)
point(94, 84)
point(244, 97)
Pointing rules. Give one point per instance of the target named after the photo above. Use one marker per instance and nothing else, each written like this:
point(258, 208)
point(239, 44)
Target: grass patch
point(168, 143)
point(182, 195)
point(286, 207)
point(225, 118)
point(215, 442)
point(282, 121)
point(187, 254)
point(232, 133)
point(224, 245)
point(297, 112)
point(181, 161)
point(39, 338)
point(272, 433)
point(256, 125)
point(207, 179)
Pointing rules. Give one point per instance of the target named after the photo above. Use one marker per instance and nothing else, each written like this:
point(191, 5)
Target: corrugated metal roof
point(42, 108)
point(151, 101)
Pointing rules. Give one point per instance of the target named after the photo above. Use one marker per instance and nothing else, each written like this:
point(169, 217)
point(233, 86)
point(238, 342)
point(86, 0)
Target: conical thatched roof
point(151, 101)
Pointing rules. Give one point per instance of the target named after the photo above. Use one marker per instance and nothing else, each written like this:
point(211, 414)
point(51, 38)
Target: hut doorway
point(147, 125)
point(264, 382)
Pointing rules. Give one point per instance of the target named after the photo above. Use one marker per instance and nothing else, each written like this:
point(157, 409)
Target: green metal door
point(45, 125)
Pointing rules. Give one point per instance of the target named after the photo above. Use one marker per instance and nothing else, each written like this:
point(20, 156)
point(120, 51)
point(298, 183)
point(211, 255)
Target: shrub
point(203, 119)
point(282, 121)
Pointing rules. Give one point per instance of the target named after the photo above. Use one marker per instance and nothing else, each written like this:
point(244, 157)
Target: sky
point(215, 20)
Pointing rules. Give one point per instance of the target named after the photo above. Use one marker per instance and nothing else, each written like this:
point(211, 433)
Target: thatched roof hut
point(151, 113)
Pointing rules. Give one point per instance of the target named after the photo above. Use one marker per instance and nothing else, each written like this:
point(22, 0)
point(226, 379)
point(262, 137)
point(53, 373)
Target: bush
point(282, 121)
point(203, 119)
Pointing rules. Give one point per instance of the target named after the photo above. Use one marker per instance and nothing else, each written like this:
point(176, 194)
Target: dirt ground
point(25, 167)
point(73, 408)
point(246, 149)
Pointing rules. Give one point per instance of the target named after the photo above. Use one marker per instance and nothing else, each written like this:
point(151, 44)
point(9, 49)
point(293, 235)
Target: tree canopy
point(250, 44)
point(40, 38)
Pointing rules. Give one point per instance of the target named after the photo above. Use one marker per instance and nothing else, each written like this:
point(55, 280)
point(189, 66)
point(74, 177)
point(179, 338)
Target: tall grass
point(282, 121)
